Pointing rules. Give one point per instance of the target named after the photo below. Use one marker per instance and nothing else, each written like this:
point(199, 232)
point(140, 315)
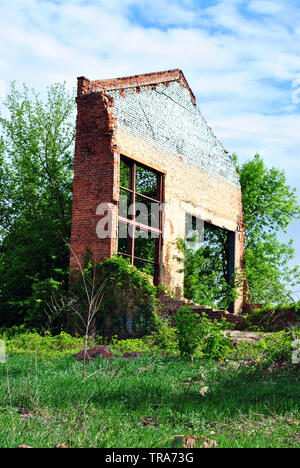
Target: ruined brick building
point(143, 137)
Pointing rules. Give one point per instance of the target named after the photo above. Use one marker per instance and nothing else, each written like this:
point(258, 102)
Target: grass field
point(145, 402)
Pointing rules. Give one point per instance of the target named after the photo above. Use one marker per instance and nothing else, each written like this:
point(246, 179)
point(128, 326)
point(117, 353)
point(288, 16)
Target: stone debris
point(24, 413)
point(134, 354)
point(249, 337)
point(181, 441)
point(96, 351)
point(103, 351)
point(149, 421)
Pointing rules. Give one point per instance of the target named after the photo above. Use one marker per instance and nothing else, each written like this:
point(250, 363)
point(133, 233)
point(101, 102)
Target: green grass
point(244, 407)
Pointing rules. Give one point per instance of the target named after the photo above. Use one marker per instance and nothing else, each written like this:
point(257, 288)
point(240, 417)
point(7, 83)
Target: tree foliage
point(206, 269)
point(36, 162)
point(270, 205)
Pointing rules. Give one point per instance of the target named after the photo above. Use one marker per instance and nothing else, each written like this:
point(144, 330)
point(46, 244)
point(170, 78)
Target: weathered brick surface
point(96, 176)
point(273, 319)
point(166, 118)
point(169, 306)
point(152, 118)
point(103, 351)
point(147, 79)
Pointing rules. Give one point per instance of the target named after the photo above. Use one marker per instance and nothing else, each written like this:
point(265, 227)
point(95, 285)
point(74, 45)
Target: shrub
point(202, 333)
point(187, 331)
point(42, 291)
point(164, 337)
point(274, 348)
point(7, 333)
point(44, 346)
point(128, 300)
point(277, 347)
point(130, 345)
point(214, 343)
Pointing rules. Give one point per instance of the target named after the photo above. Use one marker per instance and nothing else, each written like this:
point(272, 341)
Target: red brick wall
point(98, 144)
point(146, 79)
point(168, 306)
point(96, 173)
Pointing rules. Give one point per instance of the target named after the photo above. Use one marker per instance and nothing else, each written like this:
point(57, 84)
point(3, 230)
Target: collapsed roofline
point(86, 86)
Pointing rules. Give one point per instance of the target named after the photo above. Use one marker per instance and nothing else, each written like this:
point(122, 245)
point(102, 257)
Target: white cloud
point(269, 7)
point(237, 65)
point(241, 58)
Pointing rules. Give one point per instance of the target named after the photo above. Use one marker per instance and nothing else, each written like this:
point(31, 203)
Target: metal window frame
point(133, 224)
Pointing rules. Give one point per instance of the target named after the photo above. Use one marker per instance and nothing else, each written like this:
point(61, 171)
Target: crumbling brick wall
point(96, 168)
point(153, 119)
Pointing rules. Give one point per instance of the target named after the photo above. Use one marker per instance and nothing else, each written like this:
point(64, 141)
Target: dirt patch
point(249, 337)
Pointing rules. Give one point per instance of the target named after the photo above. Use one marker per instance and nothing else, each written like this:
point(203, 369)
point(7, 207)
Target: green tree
point(205, 269)
point(36, 172)
point(269, 206)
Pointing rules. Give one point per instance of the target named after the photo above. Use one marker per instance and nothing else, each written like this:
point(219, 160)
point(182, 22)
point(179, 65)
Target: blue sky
point(241, 59)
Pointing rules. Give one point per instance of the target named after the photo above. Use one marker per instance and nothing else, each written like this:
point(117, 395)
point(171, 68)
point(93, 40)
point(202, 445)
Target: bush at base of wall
point(128, 299)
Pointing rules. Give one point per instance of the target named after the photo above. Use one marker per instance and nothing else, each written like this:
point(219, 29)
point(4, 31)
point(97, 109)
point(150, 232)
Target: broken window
point(140, 217)
point(209, 264)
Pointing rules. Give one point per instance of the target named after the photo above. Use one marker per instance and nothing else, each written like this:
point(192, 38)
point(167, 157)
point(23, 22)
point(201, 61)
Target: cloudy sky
point(241, 59)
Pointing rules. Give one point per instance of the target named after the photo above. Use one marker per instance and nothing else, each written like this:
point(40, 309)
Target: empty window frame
point(218, 245)
point(140, 216)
